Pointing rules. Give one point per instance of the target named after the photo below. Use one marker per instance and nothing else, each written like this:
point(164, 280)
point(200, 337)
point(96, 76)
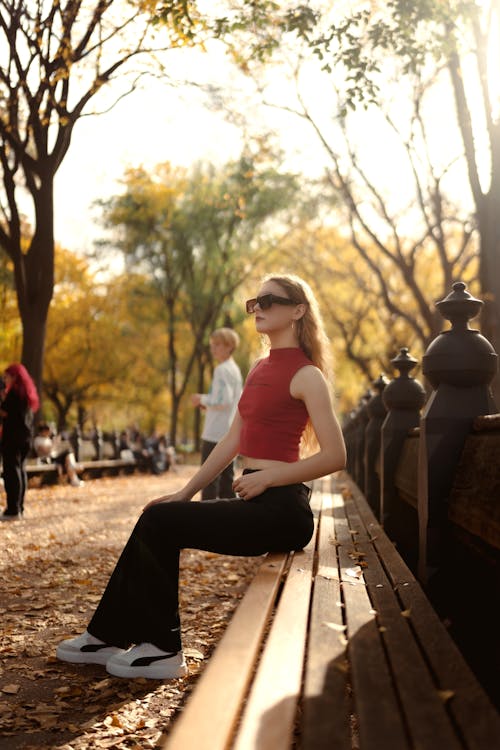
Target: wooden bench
point(107, 466)
point(47, 473)
point(336, 647)
point(43, 472)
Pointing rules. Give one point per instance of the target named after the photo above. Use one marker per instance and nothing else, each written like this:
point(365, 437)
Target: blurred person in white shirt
point(220, 405)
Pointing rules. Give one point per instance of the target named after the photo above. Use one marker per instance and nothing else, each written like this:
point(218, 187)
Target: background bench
point(336, 646)
point(102, 458)
point(95, 458)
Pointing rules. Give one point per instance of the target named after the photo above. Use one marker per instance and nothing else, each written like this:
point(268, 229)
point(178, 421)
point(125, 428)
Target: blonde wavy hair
point(311, 334)
point(226, 336)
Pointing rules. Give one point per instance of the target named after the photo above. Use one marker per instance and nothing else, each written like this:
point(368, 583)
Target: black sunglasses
point(265, 301)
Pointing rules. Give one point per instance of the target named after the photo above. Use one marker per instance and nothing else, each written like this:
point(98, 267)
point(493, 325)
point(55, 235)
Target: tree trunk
point(34, 272)
point(197, 412)
point(172, 371)
point(174, 419)
point(489, 274)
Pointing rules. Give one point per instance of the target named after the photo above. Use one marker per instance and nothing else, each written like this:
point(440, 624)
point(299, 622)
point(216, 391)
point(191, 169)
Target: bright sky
point(150, 126)
point(160, 123)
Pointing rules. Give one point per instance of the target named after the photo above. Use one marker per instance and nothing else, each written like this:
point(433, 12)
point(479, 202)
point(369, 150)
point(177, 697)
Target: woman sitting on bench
point(285, 406)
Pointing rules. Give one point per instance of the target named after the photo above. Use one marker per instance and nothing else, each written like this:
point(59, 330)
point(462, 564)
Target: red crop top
point(273, 421)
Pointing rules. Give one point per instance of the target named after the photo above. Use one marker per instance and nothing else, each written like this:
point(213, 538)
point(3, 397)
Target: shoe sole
point(85, 657)
point(151, 672)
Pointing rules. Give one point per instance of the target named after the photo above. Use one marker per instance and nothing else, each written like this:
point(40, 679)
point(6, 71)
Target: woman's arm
point(223, 453)
point(310, 386)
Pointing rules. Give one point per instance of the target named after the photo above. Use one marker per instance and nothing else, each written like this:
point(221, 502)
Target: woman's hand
point(179, 495)
point(251, 485)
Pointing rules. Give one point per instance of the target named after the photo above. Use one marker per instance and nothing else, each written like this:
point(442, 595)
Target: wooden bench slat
point(114, 464)
point(107, 463)
point(325, 705)
point(470, 709)
point(268, 718)
point(423, 707)
point(208, 720)
point(32, 466)
point(380, 721)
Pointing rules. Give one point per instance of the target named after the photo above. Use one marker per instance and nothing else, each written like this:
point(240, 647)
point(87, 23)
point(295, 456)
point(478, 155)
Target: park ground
point(53, 566)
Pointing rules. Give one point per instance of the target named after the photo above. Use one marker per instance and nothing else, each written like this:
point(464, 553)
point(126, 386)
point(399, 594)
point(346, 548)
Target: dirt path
point(53, 567)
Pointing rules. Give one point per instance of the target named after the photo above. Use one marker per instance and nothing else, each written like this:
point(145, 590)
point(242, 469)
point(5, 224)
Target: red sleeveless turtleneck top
point(273, 421)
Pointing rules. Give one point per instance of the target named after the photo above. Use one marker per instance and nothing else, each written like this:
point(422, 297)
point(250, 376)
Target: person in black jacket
point(19, 403)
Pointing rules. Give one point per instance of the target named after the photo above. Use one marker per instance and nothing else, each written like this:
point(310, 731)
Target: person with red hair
point(19, 403)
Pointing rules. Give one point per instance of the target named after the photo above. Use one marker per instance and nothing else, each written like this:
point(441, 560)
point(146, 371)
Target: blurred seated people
point(131, 446)
point(49, 449)
point(154, 453)
point(154, 447)
point(161, 453)
point(140, 451)
point(125, 446)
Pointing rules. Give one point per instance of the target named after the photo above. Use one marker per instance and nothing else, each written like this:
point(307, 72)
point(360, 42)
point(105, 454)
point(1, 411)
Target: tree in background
point(56, 57)
point(198, 236)
point(365, 333)
point(84, 360)
point(457, 43)
point(413, 251)
point(438, 62)
point(10, 328)
point(106, 356)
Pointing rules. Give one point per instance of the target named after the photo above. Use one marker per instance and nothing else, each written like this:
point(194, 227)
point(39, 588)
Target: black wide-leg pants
point(140, 602)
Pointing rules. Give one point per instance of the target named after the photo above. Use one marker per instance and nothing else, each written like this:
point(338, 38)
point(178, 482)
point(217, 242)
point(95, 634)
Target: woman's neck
point(283, 340)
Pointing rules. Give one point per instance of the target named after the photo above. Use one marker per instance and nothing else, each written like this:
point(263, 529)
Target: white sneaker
point(86, 649)
point(146, 660)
